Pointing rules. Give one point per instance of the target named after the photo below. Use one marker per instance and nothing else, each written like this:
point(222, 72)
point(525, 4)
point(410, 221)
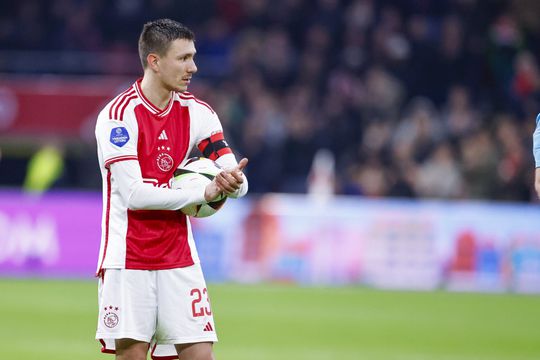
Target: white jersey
point(139, 148)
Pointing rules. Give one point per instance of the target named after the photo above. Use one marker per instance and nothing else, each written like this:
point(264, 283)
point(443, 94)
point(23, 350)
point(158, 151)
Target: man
point(152, 294)
point(536, 153)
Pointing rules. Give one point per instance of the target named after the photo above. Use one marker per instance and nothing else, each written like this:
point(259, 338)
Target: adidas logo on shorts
point(208, 327)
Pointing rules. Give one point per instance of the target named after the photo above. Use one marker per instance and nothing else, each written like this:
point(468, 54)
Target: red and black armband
point(214, 146)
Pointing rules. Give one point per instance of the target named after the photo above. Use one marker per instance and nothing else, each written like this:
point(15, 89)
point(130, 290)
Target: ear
point(152, 61)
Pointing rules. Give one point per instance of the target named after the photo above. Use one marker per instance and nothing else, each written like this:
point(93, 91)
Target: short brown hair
point(156, 36)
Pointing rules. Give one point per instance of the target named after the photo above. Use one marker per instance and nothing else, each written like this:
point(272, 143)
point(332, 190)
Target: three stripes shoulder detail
point(116, 111)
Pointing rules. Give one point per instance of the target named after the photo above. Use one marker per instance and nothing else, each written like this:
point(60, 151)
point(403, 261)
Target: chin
point(176, 87)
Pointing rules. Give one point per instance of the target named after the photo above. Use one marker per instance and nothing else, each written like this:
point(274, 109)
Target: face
point(177, 66)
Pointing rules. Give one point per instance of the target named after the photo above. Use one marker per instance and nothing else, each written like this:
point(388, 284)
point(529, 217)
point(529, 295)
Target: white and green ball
point(195, 173)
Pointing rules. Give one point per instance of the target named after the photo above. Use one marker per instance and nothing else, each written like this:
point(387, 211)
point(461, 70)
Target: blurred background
point(390, 147)
point(413, 98)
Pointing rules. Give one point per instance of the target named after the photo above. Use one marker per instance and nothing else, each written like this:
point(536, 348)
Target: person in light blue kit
point(536, 153)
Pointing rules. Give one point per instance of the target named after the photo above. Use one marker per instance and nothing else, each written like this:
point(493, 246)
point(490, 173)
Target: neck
point(154, 91)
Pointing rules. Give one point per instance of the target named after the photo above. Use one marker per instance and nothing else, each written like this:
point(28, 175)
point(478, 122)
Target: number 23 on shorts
point(200, 306)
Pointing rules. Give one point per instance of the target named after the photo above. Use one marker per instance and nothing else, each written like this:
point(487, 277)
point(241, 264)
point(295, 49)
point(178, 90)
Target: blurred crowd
point(412, 98)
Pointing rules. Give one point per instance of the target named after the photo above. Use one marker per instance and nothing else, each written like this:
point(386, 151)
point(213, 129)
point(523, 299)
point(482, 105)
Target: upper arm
point(127, 176)
point(117, 140)
point(210, 139)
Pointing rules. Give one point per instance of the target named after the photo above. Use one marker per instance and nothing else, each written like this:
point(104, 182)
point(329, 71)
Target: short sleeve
point(209, 125)
point(210, 139)
point(117, 140)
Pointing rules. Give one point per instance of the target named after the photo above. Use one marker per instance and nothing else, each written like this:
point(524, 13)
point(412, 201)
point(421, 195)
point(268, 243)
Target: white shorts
point(160, 307)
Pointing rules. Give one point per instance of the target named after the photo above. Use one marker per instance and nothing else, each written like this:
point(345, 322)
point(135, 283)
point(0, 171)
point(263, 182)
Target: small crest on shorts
point(111, 316)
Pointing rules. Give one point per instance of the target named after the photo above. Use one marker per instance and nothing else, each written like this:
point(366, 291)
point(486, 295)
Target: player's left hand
point(230, 180)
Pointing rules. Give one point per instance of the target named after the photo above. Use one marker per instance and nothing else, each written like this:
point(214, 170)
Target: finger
point(242, 164)
point(230, 188)
point(237, 176)
point(228, 176)
point(224, 186)
point(227, 182)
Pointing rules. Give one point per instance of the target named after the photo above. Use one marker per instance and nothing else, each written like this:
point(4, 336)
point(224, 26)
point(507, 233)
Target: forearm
point(142, 196)
point(147, 197)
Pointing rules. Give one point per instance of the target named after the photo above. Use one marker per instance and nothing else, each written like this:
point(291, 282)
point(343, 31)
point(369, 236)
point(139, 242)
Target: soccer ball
point(197, 172)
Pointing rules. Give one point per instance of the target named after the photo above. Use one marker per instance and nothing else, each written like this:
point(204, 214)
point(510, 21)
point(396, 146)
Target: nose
point(192, 67)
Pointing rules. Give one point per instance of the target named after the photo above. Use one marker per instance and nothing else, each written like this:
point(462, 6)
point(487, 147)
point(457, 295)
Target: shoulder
point(118, 115)
point(118, 108)
point(188, 99)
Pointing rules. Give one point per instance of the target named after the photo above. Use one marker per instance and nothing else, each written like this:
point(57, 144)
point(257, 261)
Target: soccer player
point(536, 153)
point(152, 293)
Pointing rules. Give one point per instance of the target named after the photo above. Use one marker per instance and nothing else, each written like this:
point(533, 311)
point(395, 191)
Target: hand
point(230, 180)
point(212, 191)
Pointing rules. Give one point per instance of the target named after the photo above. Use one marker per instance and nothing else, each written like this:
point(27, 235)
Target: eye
point(185, 58)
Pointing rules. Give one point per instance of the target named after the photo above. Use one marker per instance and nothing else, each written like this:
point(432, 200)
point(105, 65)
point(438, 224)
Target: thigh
point(198, 351)
point(127, 306)
point(184, 312)
point(129, 349)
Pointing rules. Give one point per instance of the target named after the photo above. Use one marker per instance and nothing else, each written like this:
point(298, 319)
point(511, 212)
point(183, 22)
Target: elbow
point(134, 200)
point(133, 204)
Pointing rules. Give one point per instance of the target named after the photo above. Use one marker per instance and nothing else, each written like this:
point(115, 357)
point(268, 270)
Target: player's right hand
point(230, 181)
point(212, 191)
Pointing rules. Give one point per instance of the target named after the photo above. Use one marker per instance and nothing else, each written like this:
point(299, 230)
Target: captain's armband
point(214, 146)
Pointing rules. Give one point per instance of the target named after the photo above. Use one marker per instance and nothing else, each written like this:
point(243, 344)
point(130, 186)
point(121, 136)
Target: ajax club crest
point(111, 317)
point(165, 161)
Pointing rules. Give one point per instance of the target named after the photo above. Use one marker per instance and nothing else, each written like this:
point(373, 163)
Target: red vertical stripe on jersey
point(107, 216)
point(158, 239)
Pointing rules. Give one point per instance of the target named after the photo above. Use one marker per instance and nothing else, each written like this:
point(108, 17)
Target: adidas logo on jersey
point(208, 327)
point(163, 136)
